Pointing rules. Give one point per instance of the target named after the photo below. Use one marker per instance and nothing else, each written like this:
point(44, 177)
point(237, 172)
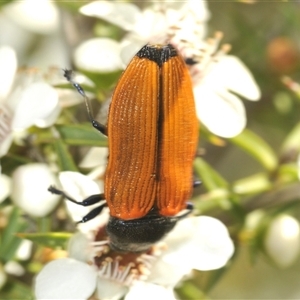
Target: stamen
point(129, 279)
point(109, 262)
point(122, 268)
point(115, 272)
point(291, 84)
point(99, 243)
point(125, 273)
point(146, 260)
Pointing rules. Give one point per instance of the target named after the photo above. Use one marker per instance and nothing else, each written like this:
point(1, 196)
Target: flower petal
point(282, 240)
point(42, 55)
point(50, 119)
point(79, 187)
point(199, 8)
point(168, 274)
point(14, 268)
point(38, 16)
point(65, 278)
point(98, 55)
point(230, 73)
point(68, 97)
point(95, 157)
point(8, 67)
point(30, 189)
point(220, 111)
point(121, 14)
point(208, 247)
point(149, 291)
point(5, 144)
point(110, 290)
point(79, 247)
point(37, 101)
point(5, 184)
point(24, 250)
point(151, 26)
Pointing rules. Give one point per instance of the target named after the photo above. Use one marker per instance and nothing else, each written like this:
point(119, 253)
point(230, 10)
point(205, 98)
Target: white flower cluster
point(218, 78)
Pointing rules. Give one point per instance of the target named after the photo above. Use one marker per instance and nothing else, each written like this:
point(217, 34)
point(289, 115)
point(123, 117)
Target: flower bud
point(282, 240)
point(30, 189)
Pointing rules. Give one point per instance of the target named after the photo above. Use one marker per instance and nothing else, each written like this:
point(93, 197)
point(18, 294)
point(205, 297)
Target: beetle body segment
point(153, 134)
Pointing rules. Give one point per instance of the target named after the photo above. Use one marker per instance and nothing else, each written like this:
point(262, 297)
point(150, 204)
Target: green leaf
point(103, 81)
point(189, 290)
point(288, 173)
point(48, 239)
point(65, 160)
point(217, 198)
point(254, 184)
point(214, 277)
point(9, 241)
point(291, 145)
point(218, 194)
point(210, 178)
point(11, 161)
point(14, 289)
point(4, 2)
point(257, 148)
point(82, 135)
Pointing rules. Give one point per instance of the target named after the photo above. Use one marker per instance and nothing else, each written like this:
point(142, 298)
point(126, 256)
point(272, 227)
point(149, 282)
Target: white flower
point(98, 55)
point(79, 285)
point(216, 84)
point(282, 240)
point(26, 22)
point(216, 76)
point(14, 268)
point(5, 186)
point(37, 16)
point(24, 101)
point(154, 24)
point(201, 243)
point(30, 189)
point(95, 159)
point(79, 187)
point(24, 250)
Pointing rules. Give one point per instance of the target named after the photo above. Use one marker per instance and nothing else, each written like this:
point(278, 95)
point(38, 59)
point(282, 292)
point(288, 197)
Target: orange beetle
point(153, 134)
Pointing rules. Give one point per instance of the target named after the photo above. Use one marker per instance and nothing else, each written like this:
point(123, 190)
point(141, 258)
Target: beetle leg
point(100, 127)
point(92, 214)
point(93, 199)
point(189, 207)
point(196, 182)
point(86, 202)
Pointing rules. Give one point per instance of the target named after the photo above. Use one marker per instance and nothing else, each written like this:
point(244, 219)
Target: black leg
point(86, 202)
point(189, 207)
point(93, 199)
point(68, 74)
point(196, 183)
point(100, 127)
point(92, 214)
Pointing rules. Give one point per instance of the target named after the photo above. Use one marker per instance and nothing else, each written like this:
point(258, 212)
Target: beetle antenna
point(68, 74)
